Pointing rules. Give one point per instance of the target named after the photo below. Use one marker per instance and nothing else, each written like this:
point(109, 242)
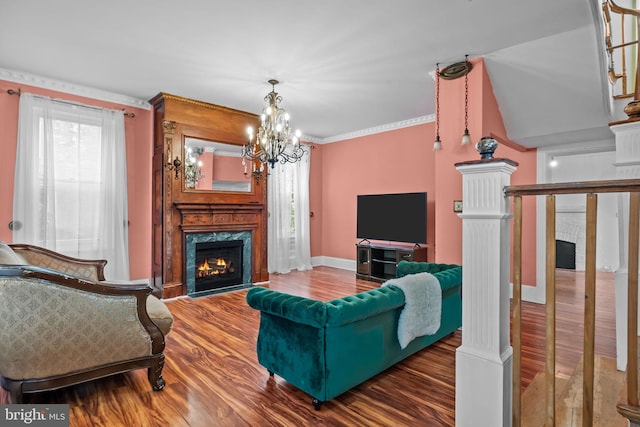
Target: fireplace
point(218, 264)
point(217, 261)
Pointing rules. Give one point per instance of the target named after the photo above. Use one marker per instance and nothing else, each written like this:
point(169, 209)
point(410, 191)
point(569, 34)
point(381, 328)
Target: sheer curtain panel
point(70, 191)
point(289, 244)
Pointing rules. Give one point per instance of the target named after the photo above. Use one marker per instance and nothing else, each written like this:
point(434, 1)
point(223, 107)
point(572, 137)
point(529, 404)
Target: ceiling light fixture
point(553, 162)
point(275, 142)
point(437, 145)
point(466, 138)
point(452, 72)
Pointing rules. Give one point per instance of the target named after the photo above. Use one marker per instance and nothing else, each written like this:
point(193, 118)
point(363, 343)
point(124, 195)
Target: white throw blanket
point(422, 306)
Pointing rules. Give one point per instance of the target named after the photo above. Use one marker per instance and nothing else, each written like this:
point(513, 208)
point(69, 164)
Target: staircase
point(609, 386)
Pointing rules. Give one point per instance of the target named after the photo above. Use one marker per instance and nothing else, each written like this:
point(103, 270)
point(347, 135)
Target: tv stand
point(378, 261)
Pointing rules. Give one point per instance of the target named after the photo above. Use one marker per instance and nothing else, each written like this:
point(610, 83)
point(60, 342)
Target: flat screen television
point(400, 217)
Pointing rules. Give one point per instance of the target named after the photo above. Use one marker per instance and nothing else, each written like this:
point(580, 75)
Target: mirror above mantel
point(216, 166)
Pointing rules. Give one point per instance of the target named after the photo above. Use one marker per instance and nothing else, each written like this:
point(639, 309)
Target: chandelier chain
point(438, 100)
point(437, 144)
point(466, 98)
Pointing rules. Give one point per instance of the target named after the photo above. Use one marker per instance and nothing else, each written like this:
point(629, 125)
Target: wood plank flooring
point(213, 377)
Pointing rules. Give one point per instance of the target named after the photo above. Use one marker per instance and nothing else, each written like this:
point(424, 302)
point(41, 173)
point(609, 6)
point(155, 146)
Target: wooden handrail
point(591, 190)
point(611, 186)
point(622, 10)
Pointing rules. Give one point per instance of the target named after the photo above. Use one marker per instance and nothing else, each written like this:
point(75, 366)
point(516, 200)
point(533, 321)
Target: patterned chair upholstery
point(62, 324)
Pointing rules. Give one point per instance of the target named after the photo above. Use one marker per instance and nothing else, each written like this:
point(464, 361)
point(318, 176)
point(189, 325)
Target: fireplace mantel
point(205, 216)
point(179, 209)
point(216, 217)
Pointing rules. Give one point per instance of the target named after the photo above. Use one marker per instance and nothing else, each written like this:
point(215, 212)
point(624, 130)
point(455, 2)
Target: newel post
point(627, 137)
point(484, 360)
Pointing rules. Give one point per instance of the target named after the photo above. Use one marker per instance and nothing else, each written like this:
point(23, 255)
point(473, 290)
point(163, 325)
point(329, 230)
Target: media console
point(378, 262)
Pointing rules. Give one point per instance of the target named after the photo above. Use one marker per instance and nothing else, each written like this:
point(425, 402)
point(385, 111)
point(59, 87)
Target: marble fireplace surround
point(207, 222)
point(192, 239)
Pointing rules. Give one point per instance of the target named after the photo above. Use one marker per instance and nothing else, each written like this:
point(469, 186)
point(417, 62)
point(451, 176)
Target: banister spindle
point(516, 311)
point(589, 311)
point(550, 364)
point(632, 301)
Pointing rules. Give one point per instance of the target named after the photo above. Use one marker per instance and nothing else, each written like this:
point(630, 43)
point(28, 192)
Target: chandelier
point(274, 142)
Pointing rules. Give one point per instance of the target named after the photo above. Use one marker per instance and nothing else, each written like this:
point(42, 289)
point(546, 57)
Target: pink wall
point(227, 168)
point(391, 162)
point(403, 161)
point(138, 134)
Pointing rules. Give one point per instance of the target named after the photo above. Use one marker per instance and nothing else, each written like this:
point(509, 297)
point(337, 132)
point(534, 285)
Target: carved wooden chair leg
point(316, 404)
point(15, 391)
point(155, 373)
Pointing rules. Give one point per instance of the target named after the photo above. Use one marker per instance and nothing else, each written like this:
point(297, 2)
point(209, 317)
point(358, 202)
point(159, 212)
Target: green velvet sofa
point(326, 348)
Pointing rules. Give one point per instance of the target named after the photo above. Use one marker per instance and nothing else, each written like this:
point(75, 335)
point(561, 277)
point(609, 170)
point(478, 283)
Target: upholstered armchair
point(61, 323)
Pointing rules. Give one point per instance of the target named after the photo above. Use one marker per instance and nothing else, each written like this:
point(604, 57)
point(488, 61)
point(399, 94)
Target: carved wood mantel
point(209, 218)
point(178, 210)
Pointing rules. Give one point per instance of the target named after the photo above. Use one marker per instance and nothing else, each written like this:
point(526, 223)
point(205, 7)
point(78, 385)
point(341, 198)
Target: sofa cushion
point(8, 256)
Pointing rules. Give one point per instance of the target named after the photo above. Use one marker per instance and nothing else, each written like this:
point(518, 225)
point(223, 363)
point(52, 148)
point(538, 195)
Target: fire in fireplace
point(218, 264)
point(217, 267)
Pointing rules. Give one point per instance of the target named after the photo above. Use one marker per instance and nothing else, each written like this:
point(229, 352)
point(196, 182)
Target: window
point(70, 190)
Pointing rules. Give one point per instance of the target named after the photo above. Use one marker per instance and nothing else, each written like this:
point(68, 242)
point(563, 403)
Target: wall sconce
point(172, 165)
point(192, 169)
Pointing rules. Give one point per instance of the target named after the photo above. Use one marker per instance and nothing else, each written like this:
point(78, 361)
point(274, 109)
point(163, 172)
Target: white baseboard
point(344, 264)
point(531, 294)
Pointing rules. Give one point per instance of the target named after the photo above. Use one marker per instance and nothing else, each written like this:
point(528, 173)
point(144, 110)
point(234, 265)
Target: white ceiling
point(344, 66)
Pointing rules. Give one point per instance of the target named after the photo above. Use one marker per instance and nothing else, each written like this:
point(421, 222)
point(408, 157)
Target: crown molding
point(71, 88)
point(89, 92)
point(378, 129)
point(309, 138)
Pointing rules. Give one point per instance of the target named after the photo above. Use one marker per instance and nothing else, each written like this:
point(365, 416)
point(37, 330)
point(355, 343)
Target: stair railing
point(621, 40)
point(591, 190)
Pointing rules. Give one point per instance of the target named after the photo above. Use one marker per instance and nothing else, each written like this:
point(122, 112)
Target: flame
point(204, 266)
point(217, 267)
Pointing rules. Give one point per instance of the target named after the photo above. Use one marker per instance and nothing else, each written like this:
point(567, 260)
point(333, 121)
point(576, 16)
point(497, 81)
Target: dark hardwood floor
point(213, 377)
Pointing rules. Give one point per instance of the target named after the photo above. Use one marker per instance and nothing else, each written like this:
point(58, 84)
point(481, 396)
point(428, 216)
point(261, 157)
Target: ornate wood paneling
point(178, 210)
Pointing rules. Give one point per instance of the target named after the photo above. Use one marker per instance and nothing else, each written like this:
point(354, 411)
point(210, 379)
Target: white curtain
point(70, 191)
point(289, 243)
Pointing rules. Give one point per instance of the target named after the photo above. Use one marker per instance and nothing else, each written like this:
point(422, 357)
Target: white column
point(484, 360)
point(628, 167)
